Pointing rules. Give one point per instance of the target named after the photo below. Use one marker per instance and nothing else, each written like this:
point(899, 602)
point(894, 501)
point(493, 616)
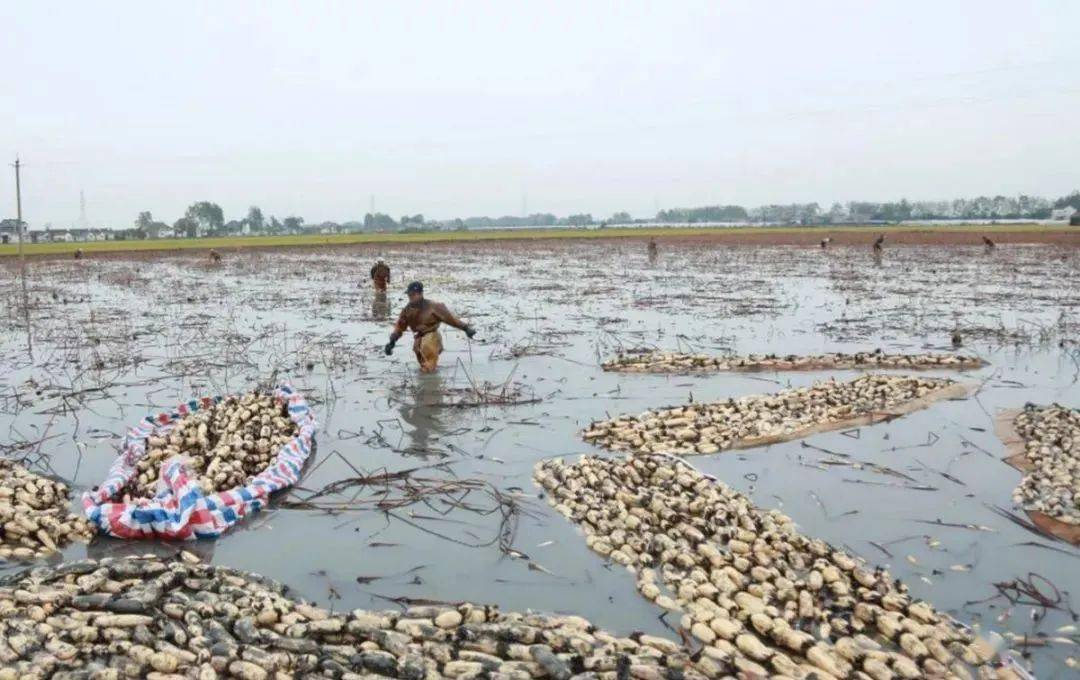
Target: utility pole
point(18, 211)
point(22, 256)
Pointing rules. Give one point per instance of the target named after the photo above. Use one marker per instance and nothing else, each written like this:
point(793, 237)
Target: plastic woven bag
point(181, 510)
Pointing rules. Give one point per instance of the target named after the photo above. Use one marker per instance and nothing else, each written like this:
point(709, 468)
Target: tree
point(836, 214)
point(147, 227)
point(275, 225)
point(579, 220)
point(1070, 201)
point(208, 217)
point(621, 218)
point(143, 222)
point(186, 227)
point(379, 222)
point(293, 223)
point(255, 219)
point(711, 213)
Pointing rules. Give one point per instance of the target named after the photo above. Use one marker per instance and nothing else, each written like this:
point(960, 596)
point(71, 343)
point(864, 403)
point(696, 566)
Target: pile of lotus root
point(34, 514)
point(224, 445)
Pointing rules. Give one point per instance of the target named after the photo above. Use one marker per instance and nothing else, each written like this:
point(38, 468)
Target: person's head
point(415, 291)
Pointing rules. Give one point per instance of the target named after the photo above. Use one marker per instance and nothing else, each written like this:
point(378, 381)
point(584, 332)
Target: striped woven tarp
point(181, 510)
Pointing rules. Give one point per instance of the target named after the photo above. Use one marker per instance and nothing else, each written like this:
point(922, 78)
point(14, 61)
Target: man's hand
point(469, 332)
point(389, 349)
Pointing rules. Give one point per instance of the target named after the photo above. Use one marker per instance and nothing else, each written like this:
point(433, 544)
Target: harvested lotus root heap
point(763, 599)
point(764, 418)
point(34, 514)
point(152, 618)
point(672, 362)
point(226, 444)
point(1051, 437)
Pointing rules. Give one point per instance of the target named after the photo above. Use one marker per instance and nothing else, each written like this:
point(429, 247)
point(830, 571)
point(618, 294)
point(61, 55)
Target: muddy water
point(113, 340)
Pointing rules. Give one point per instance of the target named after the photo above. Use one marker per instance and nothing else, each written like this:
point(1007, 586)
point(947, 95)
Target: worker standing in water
point(380, 276)
point(422, 317)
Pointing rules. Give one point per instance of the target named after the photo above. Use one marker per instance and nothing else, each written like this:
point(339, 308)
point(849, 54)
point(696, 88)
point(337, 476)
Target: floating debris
point(763, 599)
point(35, 519)
point(226, 444)
point(1044, 443)
point(770, 418)
point(675, 362)
point(148, 617)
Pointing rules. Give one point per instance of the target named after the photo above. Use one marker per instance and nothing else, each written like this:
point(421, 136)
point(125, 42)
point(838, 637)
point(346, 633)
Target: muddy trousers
point(380, 285)
point(428, 347)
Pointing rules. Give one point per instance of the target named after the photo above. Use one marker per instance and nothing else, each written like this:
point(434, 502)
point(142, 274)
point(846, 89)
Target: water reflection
point(380, 306)
point(421, 411)
point(106, 546)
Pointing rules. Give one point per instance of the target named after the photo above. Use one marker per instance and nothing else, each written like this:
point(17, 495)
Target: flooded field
point(421, 486)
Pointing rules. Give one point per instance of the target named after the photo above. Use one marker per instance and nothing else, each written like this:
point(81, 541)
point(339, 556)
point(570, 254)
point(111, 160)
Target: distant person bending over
point(423, 317)
point(653, 249)
point(380, 276)
point(215, 256)
point(79, 253)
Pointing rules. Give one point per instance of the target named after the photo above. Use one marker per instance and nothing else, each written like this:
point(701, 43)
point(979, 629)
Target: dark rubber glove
point(389, 349)
point(469, 332)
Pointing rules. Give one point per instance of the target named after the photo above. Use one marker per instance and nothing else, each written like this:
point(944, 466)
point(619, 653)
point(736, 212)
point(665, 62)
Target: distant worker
point(380, 276)
point(215, 256)
point(79, 253)
point(654, 250)
point(957, 337)
point(878, 244)
point(990, 245)
point(423, 317)
point(825, 242)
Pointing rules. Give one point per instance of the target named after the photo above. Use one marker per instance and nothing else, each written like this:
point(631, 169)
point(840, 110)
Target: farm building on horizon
point(1063, 214)
point(9, 230)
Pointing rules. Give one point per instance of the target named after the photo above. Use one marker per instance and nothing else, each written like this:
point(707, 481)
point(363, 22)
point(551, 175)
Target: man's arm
point(395, 335)
point(373, 271)
point(447, 317)
point(400, 326)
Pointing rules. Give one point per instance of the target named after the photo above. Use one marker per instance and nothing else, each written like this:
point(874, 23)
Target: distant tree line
point(980, 208)
point(206, 218)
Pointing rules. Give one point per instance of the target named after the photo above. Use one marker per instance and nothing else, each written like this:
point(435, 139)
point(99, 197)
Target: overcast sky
point(469, 108)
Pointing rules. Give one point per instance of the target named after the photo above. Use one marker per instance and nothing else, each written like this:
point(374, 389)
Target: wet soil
point(442, 505)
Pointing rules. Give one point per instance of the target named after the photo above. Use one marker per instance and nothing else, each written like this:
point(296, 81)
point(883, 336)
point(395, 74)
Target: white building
point(1062, 214)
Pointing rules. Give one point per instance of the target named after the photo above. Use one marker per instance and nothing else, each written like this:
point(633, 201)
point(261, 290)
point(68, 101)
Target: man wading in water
point(423, 317)
point(380, 276)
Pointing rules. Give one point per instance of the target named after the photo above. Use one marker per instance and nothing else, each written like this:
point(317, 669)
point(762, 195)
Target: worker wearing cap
point(423, 317)
point(380, 276)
